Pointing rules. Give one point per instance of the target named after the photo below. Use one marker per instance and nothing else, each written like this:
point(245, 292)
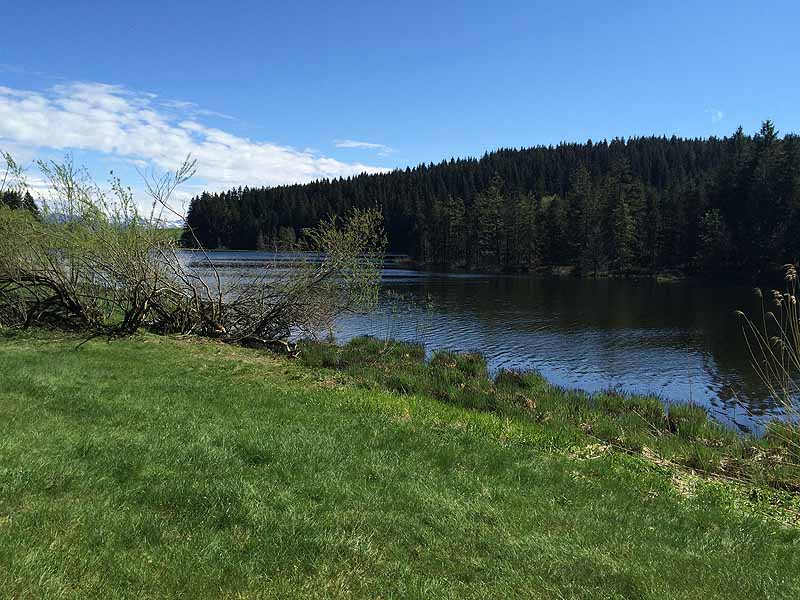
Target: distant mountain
point(58, 217)
point(170, 223)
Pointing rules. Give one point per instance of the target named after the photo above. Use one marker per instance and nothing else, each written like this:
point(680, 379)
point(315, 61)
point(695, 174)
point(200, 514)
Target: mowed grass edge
point(154, 467)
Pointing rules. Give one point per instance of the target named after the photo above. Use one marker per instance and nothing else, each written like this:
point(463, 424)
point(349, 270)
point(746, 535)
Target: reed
point(773, 340)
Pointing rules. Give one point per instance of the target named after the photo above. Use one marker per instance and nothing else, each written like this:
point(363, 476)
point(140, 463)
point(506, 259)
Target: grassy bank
point(154, 467)
point(681, 434)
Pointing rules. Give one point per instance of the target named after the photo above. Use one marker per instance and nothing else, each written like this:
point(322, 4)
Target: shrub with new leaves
point(93, 262)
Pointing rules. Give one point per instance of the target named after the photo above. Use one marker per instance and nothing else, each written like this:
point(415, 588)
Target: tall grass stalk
point(773, 340)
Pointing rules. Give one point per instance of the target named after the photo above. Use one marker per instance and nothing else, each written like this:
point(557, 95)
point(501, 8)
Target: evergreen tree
point(714, 249)
point(642, 204)
point(623, 196)
point(17, 201)
point(487, 218)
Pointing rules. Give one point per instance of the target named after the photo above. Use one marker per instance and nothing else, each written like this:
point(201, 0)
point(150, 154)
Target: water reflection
point(680, 341)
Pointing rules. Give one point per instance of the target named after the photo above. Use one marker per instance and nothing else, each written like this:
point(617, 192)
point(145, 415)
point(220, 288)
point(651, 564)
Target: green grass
point(678, 433)
point(153, 467)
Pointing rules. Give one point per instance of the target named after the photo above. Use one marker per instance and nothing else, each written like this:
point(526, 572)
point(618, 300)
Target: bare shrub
point(94, 263)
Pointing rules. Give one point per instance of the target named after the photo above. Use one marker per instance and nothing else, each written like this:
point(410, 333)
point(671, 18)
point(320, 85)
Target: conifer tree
point(637, 204)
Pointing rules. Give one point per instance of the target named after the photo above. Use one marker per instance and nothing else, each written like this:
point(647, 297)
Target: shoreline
point(771, 274)
point(684, 433)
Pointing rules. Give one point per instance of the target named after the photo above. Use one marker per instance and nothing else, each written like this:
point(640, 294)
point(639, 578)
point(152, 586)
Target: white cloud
point(716, 114)
point(383, 149)
point(142, 129)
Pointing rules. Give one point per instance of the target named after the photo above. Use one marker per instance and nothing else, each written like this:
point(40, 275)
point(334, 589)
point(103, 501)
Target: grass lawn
point(153, 467)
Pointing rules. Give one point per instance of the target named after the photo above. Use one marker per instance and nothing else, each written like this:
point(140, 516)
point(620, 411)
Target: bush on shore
point(94, 263)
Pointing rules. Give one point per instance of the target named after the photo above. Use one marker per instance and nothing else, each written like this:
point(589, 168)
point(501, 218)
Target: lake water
point(680, 341)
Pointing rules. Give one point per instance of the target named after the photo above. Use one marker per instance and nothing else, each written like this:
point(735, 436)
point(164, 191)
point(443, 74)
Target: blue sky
point(263, 93)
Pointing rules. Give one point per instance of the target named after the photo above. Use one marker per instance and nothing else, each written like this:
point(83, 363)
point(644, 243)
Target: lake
point(679, 340)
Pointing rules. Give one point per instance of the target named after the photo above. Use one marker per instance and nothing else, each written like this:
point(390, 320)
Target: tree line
point(637, 205)
point(16, 200)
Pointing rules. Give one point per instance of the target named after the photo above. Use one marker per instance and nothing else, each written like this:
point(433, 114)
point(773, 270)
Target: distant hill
point(642, 204)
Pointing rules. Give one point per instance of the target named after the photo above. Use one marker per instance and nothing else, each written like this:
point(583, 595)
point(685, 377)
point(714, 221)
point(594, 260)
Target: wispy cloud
point(716, 114)
point(191, 108)
point(382, 149)
point(6, 68)
point(16, 70)
point(142, 129)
